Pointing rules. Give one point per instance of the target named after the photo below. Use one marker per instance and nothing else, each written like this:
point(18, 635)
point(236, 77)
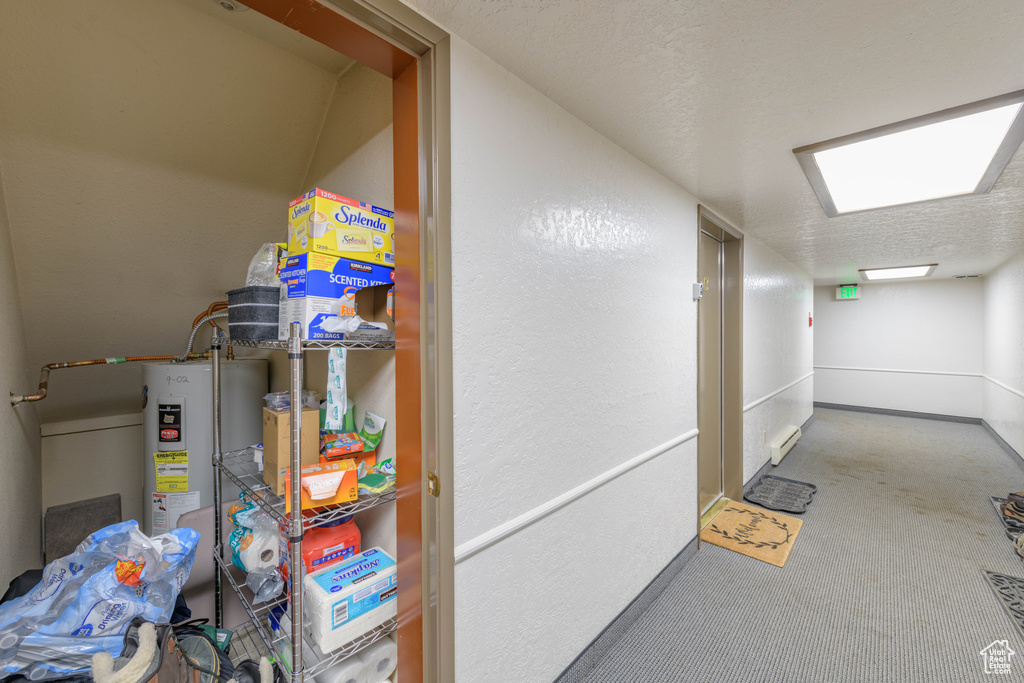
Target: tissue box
point(327, 223)
point(277, 444)
point(346, 600)
point(315, 287)
point(344, 471)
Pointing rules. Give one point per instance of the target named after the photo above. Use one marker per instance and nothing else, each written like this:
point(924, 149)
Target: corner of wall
point(20, 543)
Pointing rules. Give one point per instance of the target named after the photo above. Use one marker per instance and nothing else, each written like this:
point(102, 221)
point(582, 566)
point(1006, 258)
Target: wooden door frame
point(732, 350)
point(394, 40)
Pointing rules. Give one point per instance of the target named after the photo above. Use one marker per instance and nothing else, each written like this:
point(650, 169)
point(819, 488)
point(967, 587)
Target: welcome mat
point(765, 536)
point(779, 493)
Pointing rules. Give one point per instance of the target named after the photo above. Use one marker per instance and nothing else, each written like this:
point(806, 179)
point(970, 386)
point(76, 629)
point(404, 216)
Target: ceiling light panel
point(897, 273)
point(951, 153)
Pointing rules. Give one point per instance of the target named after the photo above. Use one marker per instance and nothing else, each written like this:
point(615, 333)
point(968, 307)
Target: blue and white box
point(316, 287)
point(344, 601)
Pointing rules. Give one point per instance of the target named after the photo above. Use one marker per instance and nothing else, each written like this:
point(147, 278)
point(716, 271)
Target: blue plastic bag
point(85, 601)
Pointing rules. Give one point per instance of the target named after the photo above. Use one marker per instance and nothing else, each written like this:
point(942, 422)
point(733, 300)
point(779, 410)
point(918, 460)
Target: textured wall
point(114, 463)
point(777, 350)
point(354, 158)
point(927, 335)
point(148, 150)
point(1003, 405)
point(575, 336)
point(19, 426)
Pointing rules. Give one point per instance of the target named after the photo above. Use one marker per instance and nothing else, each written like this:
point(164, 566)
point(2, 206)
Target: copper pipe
point(44, 374)
point(213, 307)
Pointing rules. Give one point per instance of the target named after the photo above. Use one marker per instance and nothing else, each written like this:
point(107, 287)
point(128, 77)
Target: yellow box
point(327, 223)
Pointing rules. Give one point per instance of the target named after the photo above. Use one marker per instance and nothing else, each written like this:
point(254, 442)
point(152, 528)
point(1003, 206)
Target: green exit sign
point(847, 292)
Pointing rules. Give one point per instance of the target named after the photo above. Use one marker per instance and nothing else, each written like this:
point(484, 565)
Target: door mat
point(1010, 591)
point(779, 493)
point(750, 531)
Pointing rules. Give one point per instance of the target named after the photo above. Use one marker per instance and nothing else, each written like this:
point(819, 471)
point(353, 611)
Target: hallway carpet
point(885, 584)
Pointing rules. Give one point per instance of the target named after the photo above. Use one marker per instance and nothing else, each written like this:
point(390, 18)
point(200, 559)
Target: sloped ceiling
point(147, 150)
point(715, 95)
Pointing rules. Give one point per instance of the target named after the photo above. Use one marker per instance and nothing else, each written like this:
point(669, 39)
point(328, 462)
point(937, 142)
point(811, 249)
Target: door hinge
point(433, 484)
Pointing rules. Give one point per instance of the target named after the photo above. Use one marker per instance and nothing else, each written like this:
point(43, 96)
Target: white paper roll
point(262, 552)
point(381, 658)
point(349, 670)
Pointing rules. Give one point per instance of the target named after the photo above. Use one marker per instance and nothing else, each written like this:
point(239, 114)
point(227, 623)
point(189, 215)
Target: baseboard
point(767, 466)
point(1010, 450)
point(900, 413)
point(587, 660)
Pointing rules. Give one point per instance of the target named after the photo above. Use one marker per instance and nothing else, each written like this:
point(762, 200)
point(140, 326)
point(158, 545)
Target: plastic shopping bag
point(86, 600)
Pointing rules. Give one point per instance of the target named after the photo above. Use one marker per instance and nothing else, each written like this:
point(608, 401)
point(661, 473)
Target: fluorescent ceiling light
point(897, 273)
point(947, 154)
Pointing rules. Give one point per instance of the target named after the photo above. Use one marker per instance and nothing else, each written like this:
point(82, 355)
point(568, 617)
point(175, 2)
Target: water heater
point(178, 432)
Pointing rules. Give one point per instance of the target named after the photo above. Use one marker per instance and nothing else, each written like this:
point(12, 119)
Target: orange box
point(340, 445)
point(368, 457)
point(319, 482)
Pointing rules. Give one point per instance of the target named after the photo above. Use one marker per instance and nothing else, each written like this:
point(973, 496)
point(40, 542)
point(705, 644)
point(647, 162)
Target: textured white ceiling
point(147, 149)
point(715, 95)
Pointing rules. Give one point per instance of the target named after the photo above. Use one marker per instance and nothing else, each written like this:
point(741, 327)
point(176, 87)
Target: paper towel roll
point(261, 552)
point(381, 658)
point(349, 670)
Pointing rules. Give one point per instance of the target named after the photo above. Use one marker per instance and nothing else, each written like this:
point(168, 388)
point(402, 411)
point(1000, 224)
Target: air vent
point(965, 277)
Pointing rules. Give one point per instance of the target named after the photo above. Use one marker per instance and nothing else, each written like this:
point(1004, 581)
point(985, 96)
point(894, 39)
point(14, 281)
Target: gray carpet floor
point(884, 582)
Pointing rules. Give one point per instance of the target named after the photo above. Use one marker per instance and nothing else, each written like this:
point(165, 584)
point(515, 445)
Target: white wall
point(1003, 404)
point(902, 346)
point(19, 426)
point(575, 352)
point(354, 157)
point(778, 349)
point(84, 459)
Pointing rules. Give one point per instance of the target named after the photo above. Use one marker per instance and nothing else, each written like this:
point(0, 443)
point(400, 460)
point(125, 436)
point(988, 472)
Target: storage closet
point(188, 129)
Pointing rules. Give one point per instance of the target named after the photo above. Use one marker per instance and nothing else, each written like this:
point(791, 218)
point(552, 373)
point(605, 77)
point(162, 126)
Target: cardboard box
point(347, 491)
point(277, 444)
point(316, 287)
point(327, 223)
point(334, 446)
point(369, 458)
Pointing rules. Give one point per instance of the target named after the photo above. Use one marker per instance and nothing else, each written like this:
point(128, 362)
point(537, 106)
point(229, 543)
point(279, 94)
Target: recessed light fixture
point(897, 273)
point(950, 153)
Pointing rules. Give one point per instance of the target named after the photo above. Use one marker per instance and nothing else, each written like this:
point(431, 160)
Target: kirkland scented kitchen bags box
point(317, 287)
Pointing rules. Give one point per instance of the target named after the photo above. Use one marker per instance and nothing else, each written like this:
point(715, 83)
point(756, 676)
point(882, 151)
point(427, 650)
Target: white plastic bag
point(86, 599)
point(263, 268)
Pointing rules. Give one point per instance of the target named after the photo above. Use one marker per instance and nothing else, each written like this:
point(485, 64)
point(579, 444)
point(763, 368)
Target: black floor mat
point(779, 493)
point(1010, 591)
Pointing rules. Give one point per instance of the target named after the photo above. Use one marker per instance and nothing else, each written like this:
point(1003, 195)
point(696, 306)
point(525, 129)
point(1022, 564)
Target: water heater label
point(171, 471)
point(167, 507)
point(170, 422)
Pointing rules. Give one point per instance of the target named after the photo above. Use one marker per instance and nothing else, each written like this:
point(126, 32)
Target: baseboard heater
point(784, 443)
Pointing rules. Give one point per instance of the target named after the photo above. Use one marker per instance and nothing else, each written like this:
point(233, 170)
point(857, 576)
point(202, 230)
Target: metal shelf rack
point(239, 467)
point(314, 344)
